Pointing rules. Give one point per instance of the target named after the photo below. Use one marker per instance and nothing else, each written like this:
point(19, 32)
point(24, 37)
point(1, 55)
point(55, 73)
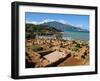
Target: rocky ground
point(76, 52)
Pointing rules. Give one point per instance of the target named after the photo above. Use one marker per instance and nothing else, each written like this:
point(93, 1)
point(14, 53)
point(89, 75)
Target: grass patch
point(36, 48)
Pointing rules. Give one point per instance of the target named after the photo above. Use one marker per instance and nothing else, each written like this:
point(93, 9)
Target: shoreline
point(75, 35)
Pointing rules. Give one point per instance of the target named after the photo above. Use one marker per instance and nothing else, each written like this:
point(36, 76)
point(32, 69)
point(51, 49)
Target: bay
point(70, 35)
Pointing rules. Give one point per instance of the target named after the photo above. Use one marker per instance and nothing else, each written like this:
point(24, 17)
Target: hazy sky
point(81, 21)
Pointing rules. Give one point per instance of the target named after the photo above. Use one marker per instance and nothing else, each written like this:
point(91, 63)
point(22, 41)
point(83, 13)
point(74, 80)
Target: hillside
point(64, 27)
point(32, 30)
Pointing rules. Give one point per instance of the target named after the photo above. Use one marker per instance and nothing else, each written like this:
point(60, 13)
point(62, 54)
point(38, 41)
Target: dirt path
point(71, 62)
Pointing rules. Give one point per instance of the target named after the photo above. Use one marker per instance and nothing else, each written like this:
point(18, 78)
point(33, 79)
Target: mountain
point(63, 27)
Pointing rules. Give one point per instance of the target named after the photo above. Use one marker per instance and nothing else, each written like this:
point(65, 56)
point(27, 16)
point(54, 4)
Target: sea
point(80, 35)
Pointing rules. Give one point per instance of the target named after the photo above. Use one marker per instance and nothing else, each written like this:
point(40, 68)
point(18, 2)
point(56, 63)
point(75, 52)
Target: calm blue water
point(75, 35)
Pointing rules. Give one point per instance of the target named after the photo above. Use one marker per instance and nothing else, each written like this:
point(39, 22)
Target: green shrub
point(78, 46)
point(36, 48)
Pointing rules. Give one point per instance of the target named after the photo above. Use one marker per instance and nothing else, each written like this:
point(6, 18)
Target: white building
point(46, 36)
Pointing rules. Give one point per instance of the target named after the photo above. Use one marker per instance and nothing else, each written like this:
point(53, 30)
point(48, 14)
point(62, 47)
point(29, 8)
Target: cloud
point(51, 20)
point(62, 21)
point(79, 25)
point(31, 22)
point(46, 20)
